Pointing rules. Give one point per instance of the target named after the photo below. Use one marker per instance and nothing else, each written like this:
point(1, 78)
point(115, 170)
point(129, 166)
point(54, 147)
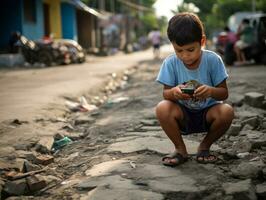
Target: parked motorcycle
point(77, 53)
point(43, 52)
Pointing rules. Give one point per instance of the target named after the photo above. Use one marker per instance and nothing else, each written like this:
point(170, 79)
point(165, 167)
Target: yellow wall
point(55, 17)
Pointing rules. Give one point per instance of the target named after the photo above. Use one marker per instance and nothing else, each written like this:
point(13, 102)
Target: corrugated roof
point(81, 6)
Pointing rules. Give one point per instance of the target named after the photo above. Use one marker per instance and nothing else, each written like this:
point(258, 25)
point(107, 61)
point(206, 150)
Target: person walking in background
point(194, 87)
point(246, 35)
point(155, 38)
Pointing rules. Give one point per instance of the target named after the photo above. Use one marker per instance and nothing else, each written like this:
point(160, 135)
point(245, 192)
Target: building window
point(30, 11)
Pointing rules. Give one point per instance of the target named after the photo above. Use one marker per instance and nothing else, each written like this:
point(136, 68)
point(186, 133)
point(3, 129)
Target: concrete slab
point(159, 145)
point(118, 194)
point(111, 182)
point(108, 167)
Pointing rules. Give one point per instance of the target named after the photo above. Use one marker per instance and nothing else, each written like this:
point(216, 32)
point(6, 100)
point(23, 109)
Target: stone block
point(240, 190)
point(242, 146)
point(35, 183)
point(28, 167)
point(246, 170)
point(234, 129)
point(28, 155)
point(44, 159)
point(261, 190)
point(254, 99)
point(253, 122)
point(17, 187)
point(45, 144)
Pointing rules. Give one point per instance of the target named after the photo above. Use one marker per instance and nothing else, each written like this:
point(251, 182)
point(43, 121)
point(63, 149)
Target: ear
point(203, 41)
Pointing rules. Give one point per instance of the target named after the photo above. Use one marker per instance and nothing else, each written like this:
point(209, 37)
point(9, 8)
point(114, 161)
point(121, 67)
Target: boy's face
point(189, 53)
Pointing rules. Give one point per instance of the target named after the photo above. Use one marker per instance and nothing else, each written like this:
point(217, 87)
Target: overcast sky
point(164, 7)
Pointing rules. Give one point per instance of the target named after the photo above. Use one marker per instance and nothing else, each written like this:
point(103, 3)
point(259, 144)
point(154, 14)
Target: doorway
point(46, 13)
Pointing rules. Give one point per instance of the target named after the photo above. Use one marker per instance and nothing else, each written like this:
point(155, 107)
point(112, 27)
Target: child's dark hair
point(185, 28)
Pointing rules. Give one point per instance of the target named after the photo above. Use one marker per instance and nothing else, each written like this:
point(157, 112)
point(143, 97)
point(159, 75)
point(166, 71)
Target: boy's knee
point(227, 113)
point(162, 107)
point(167, 109)
point(230, 110)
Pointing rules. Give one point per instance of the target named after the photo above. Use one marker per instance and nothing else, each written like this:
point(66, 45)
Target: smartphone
point(188, 90)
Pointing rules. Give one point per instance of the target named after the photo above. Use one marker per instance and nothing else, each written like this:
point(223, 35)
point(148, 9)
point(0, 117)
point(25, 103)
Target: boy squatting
point(203, 111)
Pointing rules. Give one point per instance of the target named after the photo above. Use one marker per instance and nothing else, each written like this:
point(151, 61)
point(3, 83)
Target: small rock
point(44, 159)
point(253, 122)
point(149, 122)
point(264, 173)
point(261, 190)
point(45, 144)
point(243, 155)
point(30, 156)
point(17, 187)
point(28, 167)
point(83, 120)
point(242, 146)
point(247, 127)
point(35, 183)
point(59, 136)
point(246, 170)
point(240, 190)
point(234, 129)
point(254, 99)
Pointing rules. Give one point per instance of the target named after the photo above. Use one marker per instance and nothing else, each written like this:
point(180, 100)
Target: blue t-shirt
point(211, 71)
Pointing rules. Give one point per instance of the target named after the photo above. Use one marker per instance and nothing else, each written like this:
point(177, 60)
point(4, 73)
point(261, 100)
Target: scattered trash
point(118, 100)
point(82, 106)
point(17, 175)
point(242, 155)
point(133, 164)
point(255, 159)
point(61, 143)
point(68, 127)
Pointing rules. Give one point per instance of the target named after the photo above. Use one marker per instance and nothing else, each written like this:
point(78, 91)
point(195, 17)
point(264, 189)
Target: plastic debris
point(81, 106)
point(61, 143)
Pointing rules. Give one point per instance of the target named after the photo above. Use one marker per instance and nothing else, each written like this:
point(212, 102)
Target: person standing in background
point(155, 38)
point(246, 34)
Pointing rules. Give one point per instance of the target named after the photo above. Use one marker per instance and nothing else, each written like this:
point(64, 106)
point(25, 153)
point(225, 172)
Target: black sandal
point(179, 159)
point(204, 155)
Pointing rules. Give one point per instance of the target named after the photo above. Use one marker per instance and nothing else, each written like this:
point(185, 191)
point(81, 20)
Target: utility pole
point(112, 5)
point(102, 5)
point(253, 6)
point(101, 8)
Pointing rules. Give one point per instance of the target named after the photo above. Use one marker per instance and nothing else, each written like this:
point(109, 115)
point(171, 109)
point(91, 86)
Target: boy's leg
point(170, 115)
point(220, 118)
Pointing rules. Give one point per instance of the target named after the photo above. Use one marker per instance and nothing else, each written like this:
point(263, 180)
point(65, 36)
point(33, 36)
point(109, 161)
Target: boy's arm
point(219, 92)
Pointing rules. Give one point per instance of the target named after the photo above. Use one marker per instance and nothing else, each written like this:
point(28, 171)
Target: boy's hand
point(203, 92)
point(178, 93)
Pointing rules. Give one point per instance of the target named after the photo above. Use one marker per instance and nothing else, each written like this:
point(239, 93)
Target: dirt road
point(25, 94)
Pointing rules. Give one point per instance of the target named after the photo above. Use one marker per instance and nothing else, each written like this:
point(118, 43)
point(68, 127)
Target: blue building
point(69, 19)
point(23, 16)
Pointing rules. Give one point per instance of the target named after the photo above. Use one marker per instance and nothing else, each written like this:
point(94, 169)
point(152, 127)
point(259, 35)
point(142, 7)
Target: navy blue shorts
point(194, 120)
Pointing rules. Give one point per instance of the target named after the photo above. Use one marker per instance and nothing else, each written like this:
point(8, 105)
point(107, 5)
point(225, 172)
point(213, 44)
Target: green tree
point(215, 13)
